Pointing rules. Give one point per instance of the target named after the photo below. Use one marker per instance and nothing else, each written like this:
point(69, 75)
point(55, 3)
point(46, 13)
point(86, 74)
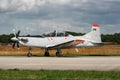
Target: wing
point(68, 44)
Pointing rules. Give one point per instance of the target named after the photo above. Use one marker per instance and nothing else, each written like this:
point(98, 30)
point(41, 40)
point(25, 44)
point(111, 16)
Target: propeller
point(15, 43)
point(16, 39)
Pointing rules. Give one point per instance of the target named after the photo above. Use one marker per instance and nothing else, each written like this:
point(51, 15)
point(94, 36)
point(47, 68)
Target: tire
point(58, 54)
point(46, 54)
point(29, 54)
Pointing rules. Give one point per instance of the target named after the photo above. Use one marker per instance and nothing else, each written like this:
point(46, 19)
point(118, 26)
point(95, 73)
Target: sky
point(41, 16)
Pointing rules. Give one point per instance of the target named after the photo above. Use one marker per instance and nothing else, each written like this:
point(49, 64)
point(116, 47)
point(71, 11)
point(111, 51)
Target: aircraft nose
point(14, 39)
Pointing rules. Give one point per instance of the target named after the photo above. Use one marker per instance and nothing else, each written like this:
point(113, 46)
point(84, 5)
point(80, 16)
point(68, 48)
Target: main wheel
point(58, 54)
point(46, 54)
point(29, 54)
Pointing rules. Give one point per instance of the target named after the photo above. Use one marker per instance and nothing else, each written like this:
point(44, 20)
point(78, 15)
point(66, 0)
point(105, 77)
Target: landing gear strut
point(29, 52)
point(59, 53)
point(46, 53)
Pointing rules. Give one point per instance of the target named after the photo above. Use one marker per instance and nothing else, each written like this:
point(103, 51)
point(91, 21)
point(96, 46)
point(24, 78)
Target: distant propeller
point(16, 39)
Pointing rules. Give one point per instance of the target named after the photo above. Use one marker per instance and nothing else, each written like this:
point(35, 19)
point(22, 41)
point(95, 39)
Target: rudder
point(94, 35)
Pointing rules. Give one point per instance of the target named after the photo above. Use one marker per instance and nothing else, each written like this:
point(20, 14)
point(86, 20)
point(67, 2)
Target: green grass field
point(58, 75)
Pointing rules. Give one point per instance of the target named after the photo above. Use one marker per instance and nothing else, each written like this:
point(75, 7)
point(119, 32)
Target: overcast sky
point(39, 16)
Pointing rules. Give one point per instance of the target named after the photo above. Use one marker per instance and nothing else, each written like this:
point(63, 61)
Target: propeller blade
point(18, 45)
point(13, 46)
point(17, 35)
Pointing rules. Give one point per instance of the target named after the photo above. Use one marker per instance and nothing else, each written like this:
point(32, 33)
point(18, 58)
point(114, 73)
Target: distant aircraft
point(59, 41)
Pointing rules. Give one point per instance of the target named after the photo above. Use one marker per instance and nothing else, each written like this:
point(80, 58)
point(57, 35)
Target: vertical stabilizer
point(94, 35)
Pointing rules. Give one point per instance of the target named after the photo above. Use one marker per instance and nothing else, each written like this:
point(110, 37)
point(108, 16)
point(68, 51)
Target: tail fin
point(94, 35)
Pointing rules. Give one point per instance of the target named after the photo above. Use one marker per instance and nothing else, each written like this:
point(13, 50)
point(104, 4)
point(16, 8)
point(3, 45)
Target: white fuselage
point(51, 41)
point(93, 38)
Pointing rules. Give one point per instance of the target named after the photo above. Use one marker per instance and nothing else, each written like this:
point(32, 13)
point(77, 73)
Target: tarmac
point(61, 63)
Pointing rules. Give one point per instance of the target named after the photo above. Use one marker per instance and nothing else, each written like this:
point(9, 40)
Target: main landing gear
point(58, 53)
point(46, 53)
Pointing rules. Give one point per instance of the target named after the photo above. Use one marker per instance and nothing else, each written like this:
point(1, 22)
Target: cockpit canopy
point(55, 34)
point(51, 34)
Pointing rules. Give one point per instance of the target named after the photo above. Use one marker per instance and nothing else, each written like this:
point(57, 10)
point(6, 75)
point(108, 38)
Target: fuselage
point(62, 40)
point(78, 41)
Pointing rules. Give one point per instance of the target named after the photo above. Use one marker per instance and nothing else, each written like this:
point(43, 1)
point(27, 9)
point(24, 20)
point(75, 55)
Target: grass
point(108, 50)
point(113, 50)
point(58, 75)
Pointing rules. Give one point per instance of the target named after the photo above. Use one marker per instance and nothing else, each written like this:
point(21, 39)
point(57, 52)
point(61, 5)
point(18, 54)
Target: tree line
point(6, 38)
point(115, 38)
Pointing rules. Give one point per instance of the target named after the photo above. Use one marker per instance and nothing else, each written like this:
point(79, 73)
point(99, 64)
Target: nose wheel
point(29, 52)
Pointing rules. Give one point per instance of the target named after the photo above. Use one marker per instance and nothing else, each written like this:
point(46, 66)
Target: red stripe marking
point(78, 40)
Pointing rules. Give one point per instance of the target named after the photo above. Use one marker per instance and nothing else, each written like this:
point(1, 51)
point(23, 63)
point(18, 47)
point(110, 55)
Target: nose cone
point(14, 39)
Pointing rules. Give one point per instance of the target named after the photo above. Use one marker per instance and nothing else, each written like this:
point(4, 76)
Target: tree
point(105, 37)
point(6, 38)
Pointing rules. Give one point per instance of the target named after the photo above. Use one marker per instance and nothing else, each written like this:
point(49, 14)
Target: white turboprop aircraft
point(59, 41)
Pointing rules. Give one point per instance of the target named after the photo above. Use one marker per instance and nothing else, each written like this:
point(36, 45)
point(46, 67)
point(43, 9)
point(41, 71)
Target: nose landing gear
point(29, 52)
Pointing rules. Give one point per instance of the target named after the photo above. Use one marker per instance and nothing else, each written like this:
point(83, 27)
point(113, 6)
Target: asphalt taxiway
point(61, 63)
